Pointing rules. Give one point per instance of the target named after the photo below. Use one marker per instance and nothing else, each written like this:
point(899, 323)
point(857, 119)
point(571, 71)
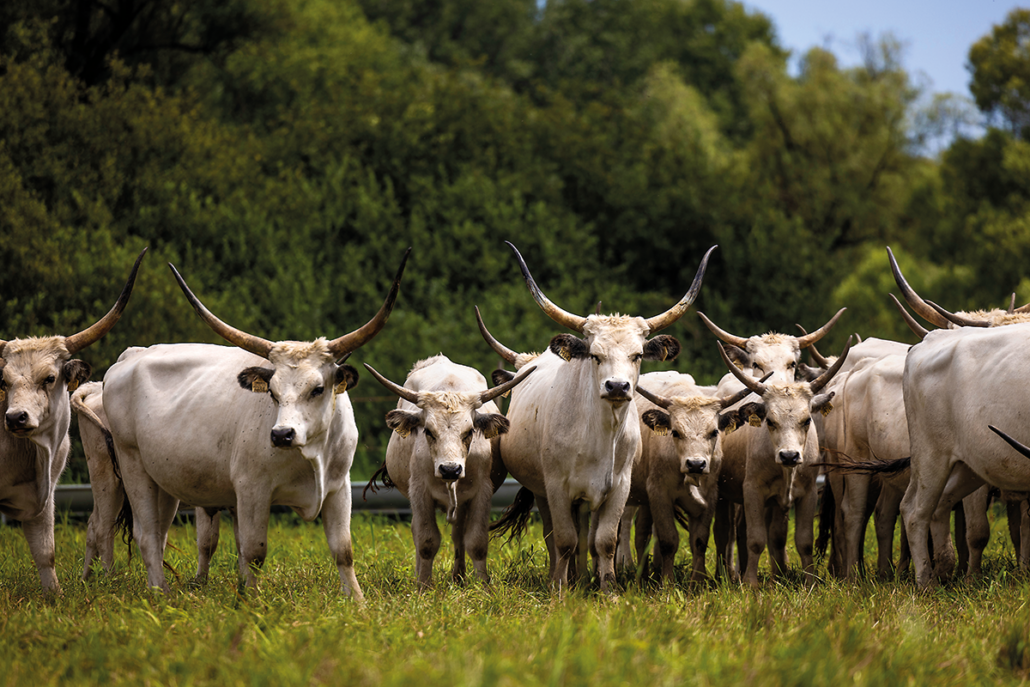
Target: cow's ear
point(255, 379)
point(821, 403)
point(729, 421)
point(403, 422)
point(500, 377)
point(659, 422)
point(346, 378)
point(752, 413)
point(76, 372)
point(737, 355)
point(491, 424)
point(567, 347)
point(662, 347)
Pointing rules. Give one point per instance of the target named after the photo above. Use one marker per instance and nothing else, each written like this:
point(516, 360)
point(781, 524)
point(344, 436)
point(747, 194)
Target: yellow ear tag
point(661, 431)
point(729, 429)
point(72, 386)
point(826, 409)
point(3, 395)
point(341, 387)
point(259, 386)
point(506, 394)
point(563, 352)
point(754, 421)
point(403, 432)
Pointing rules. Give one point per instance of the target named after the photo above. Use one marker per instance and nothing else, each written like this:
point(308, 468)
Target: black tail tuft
point(515, 520)
point(384, 478)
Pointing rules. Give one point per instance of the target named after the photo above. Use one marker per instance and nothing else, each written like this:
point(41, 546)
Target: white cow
point(37, 374)
point(440, 457)
point(679, 465)
point(575, 433)
point(767, 467)
point(220, 427)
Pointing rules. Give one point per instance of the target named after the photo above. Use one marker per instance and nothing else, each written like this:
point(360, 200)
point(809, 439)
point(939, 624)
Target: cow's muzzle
point(450, 471)
point(283, 437)
point(696, 466)
point(17, 422)
point(789, 459)
point(617, 392)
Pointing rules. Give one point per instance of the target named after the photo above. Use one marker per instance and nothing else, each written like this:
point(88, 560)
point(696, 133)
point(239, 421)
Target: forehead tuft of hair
point(47, 346)
point(523, 359)
point(596, 323)
point(448, 401)
point(774, 339)
point(692, 403)
point(438, 358)
point(790, 389)
point(1003, 318)
point(293, 353)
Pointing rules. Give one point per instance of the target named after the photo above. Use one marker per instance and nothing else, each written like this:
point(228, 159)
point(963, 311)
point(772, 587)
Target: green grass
point(299, 631)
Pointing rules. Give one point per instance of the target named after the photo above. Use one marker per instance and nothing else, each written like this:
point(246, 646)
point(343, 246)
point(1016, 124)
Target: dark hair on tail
point(827, 521)
point(870, 467)
point(515, 520)
point(384, 478)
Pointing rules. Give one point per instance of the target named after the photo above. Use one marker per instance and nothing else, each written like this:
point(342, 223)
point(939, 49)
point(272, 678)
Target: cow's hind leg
point(208, 521)
point(458, 541)
point(978, 529)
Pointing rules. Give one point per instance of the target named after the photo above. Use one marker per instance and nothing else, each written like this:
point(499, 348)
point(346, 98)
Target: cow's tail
point(681, 517)
point(827, 522)
point(515, 520)
point(384, 481)
point(870, 467)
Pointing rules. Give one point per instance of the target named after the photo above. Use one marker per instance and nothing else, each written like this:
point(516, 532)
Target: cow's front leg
point(725, 534)
point(336, 515)
point(39, 533)
point(856, 493)
point(804, 531)
point(887, 509)
point(668, 536)
point(425, 533)
point(477, 534)
point(563, 535)
point(252, 514)
point(978, 529)
point(778, 518)
point(755, 527)
point(606, 534)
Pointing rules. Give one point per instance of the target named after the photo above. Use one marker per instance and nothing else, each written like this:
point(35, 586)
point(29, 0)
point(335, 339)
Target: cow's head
point(785, 408)
point(38, 372)
point(775, 353)
point(447, 421)
point(305, 376)
point(696, 426)
point(615, 344)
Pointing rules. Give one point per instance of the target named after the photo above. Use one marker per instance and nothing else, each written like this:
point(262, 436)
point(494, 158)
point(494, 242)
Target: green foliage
point(1000, 65)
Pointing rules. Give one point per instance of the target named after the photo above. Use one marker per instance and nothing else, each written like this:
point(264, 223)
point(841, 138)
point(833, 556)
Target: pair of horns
point(759, 388)
point(484, 397)
point(576, 322)
point(803, 341)
point(726, 402)
point(339, 348)
point(92, 334)
point(930, 311)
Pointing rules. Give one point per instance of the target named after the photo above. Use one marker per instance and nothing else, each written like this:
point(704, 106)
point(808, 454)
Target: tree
point(1000, 66)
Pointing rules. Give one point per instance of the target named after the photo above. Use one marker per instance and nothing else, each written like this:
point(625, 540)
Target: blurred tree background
point(284, 154)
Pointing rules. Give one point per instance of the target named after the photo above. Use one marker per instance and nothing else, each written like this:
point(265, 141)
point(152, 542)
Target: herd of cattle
point(595, 445)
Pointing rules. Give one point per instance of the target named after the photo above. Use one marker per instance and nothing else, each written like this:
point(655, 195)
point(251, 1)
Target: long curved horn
point(500, 390)
point(959, 319)
point(660, 322)
point(361, 336)
point(237, 337)
point(909, 320)
point(822, 380)
point(562, 317)
point(749, 382)
point(914, 300)
point(76, 342)
point(1012, 304)
point(737, 341)
point(814, 352)
point(659, 401)
point(1023, 309)
point(1012, 442)
point(809, 339)
point(506, 353)
point(742, 394)
point(406, 394)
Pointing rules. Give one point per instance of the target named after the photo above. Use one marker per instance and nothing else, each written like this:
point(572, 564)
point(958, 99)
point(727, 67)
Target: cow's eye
point(713, 435)
point(430, 435)
point(317, 391)
point(791, 365)
point(638, 357)
point(49, 380)
point(770, 424)
point(596, 359)
point(466, 437)
point(756, 366)
point(675, 434)
point(806, 423)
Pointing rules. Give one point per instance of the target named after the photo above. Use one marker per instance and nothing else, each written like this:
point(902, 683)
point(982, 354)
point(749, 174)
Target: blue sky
point(937, 33)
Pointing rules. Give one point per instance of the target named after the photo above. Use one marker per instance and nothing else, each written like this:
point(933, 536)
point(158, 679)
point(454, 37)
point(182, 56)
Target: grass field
point(299, 631)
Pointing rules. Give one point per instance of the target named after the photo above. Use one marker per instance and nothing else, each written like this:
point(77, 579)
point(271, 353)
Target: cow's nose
point(17, 419)
point(612, 388)
point(450, 471)
point(789, 458)
point(696, 466)
point(283, 438)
